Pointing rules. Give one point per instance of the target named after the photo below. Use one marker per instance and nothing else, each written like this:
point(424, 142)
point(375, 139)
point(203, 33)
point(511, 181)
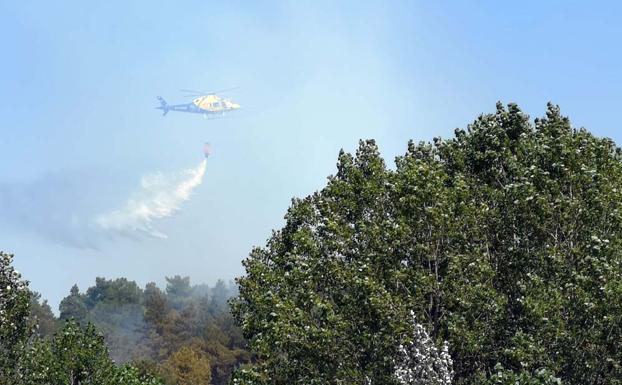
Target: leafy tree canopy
point(15, 324)
point(74, 355)
point(505, 241)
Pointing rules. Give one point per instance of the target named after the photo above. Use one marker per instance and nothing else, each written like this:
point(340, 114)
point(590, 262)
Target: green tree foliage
point(156, 305)
point(116, 307)
point(15, 324)
point(117, 292)
point(42, 316)
point(130, 375)
point(80, 356)
point(504, 241)
point(502, 376)
point(73, 356)
point(179, 291)
point(77, 355)
point(73, 306)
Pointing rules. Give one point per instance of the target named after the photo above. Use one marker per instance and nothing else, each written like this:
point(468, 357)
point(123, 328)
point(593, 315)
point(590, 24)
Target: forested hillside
point(157, 330)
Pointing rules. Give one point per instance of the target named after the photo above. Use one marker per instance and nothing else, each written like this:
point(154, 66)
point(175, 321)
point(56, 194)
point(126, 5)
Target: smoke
point(75, 209)
point(56, 206)
point(160, 196)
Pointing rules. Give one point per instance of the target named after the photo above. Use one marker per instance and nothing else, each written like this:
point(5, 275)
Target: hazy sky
point(78, 131)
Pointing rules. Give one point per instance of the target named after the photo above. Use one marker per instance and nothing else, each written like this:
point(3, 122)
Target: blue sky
point(78, 82)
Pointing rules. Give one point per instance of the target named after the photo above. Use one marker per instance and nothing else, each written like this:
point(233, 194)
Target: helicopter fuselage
point(205, 104)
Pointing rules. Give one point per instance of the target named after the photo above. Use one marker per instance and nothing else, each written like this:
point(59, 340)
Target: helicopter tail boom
point(163, 106)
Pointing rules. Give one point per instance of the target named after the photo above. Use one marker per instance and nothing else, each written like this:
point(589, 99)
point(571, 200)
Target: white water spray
point(160, 196)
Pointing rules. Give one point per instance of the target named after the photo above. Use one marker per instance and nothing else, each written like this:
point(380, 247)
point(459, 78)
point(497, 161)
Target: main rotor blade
point(199, 93)
point(192, 91)
point(225, 90)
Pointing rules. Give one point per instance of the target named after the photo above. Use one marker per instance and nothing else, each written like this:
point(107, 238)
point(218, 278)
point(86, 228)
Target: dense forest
point(492, 257)
point(157, 331)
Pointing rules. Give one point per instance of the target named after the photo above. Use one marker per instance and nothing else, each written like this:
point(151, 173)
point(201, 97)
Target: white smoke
point(74, 209)
point(160, 196)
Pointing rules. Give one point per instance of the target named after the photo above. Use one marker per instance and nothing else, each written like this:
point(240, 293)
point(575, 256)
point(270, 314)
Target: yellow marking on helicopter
point(215, 104)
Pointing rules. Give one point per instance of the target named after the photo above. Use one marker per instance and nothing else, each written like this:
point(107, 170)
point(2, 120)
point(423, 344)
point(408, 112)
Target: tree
point(77, 355)
point(73, 306)
point(156, 305)
point(15, 325)
point(146, 327)
point(81, 356)
point(41, 315)
point(72, 356)
point(502, 376)
point(119, 291)
point(116, 308)
point(220, 295)
point(188, 366)
point(129, 375)
point(196, 343)
point(321, 304)
point(178, 291)
point(503, 241)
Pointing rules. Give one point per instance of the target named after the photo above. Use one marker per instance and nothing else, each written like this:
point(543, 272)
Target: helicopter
point(206, 103)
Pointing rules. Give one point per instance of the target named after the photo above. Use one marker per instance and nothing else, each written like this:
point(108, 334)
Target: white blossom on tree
point(421, 362)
